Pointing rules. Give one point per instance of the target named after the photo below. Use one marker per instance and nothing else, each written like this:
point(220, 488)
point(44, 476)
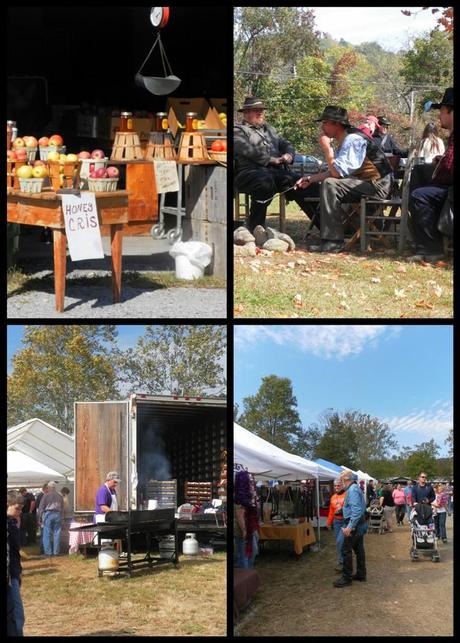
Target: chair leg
point(282, 213)
point(363, 225)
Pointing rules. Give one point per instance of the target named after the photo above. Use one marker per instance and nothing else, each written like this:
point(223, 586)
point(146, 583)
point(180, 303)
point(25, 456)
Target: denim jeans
point(241, 560)
point(338, 524)
point(51, 528)
point(440, 525)
point(18, 609)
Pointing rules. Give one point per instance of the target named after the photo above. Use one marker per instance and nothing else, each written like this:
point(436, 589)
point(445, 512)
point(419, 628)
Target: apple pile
point(110, 172)
point(55, 140)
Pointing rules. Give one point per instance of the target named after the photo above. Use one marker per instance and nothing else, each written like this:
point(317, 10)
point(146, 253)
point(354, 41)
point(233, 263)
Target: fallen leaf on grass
point(344, 305)
point(400, 294)
point(291, 264)
point(376, 280)
point(424, 304)
point(238, 309)
point(441, 264)
point(438, 291)
point(327, 294)
point(426, 264)
point(401, 269)
point(301, 262)
point(298, 301)
point(254, 268)
point(316, 311)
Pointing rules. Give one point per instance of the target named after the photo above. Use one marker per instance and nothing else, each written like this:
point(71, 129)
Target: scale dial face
point(159, 16)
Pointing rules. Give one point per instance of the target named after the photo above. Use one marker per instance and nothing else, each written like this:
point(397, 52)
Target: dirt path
point(297, 598)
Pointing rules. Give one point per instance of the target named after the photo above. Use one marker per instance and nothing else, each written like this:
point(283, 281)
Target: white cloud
point(326, 341)
point(433, 422)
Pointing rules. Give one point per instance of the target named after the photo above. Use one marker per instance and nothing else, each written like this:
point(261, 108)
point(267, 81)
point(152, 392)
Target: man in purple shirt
point(106, 496)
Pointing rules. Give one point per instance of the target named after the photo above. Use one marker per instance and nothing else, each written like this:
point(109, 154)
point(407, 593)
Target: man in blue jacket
point(355, 526)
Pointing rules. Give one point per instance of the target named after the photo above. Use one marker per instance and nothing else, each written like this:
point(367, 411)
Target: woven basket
point(31, 153)
point(31, 185)
point(50, 148)
point(220, 157)
point(102, 185)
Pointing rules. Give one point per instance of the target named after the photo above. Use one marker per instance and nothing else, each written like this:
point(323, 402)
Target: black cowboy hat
point(447, 99)
point(251, 102)
point(383, 121)
point(331, 113)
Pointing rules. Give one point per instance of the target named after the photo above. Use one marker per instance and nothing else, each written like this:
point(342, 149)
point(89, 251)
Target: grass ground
point(379, 284)
point(65, 597)
point(17, 281)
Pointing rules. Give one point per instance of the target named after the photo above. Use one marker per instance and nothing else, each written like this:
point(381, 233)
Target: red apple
point(30, 141)
point(92, 174)
point(101, 173)
point(84, 155)
point(112, 172)
point(44, 141)
point(20, 154)
point(18, 142)
point(56, 140)
point(97, 154)
point(38, 162)
point(10, 155)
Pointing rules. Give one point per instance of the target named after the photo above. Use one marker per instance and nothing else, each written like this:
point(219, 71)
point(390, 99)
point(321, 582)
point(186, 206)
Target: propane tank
point(108, 558)
point(190, 545)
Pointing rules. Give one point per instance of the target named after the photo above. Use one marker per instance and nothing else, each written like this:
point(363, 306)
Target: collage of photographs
point(255, 207)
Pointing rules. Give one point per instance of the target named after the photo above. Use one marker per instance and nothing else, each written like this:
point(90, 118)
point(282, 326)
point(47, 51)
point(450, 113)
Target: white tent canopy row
point(24, 471)
point(266, 461)
point(45, 444)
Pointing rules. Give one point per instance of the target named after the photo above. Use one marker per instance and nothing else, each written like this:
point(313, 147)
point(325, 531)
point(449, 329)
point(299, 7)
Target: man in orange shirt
point(335, 519)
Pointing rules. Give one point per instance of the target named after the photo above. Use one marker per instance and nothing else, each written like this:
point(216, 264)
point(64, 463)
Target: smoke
point(153, 461)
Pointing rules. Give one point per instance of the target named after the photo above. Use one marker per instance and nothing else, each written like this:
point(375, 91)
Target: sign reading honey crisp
point(166, 176)
point(82, 226)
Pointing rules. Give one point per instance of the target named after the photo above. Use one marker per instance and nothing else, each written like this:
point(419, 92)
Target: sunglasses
point(423, 476)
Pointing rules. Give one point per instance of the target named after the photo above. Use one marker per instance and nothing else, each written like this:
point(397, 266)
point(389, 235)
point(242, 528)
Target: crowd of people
point(358, 165)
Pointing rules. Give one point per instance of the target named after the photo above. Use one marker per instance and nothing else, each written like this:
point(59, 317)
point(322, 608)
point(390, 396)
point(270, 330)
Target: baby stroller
point(423, 532)
point(376, 517)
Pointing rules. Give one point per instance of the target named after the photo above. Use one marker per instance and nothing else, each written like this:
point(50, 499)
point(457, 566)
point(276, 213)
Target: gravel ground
point(95, 301)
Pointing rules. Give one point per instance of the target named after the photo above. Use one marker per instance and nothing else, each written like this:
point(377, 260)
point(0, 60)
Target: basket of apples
point(63, 170)
point(54, 143)
point(103, 179)
point(14, 160)
point(30, 181)
point(28, 144)
point(89, 161)
point(218, 151)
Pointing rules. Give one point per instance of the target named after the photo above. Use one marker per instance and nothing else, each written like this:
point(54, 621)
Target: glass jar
point(11, 125)
point(126, 122)
point(191, 122)
point(161, 122)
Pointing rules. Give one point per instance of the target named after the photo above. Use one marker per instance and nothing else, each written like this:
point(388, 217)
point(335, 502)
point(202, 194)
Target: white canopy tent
point(45, 445)
point(266, 461)
point(24, 471)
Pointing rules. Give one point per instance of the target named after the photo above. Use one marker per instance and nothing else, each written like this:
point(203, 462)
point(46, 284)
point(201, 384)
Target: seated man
point(360, 168)
point(261, 163)
point(386, 141)
point(425, 203)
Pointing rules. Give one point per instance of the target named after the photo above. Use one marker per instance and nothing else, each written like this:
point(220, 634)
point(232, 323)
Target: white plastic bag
point(191, 258)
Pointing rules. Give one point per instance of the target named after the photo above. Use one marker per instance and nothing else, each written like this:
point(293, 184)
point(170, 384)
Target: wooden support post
point(59, 250)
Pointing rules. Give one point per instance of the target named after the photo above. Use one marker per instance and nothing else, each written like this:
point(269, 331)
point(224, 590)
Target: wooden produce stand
point(44, 209)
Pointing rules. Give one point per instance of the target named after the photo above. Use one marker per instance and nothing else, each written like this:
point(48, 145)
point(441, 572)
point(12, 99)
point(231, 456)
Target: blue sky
point(400, 374)
point(385, 25)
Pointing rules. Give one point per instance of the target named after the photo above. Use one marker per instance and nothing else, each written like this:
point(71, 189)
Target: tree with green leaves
point(272, 413)
point(353, 439)
point(178, 359)
point(423, 457)
point(59, 365)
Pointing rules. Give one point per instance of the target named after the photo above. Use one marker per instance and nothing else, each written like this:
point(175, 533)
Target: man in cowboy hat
point(426, 203)
point(359, 168)
point(385, 140)
point(262, 158)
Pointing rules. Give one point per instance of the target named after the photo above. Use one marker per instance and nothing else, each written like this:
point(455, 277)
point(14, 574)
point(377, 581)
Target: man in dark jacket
point(15, 609)
point(423, 492)
point(386, 141)
point(358, 168)
point(262, 158)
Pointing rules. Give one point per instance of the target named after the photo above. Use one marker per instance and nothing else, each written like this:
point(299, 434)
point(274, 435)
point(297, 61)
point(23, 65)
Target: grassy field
point(350, 285)
point(65, 597)
point(18, 282)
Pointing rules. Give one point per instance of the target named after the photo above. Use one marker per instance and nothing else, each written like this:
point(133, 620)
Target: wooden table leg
point(59, 250)
point(116, 236)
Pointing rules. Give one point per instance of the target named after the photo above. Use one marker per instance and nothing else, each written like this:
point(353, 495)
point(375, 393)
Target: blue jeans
point(338, 524)
point(440, 525)
point(18, 609)
point(51, 527)
point(241, 560)
point(425, 205)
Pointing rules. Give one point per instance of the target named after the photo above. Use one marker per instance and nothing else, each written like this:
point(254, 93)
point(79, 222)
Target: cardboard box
point(183, 105)
point(143, 126)
point(220, 104)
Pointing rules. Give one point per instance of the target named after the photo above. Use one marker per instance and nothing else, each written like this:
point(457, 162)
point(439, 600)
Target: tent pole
point(317, 510)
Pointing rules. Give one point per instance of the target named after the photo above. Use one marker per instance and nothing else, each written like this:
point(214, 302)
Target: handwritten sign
point(82, 226)
point(166, 176)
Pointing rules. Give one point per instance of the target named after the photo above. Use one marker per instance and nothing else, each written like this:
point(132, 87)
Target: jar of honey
point(161, 122)
point(126, 122)
point(191, 122)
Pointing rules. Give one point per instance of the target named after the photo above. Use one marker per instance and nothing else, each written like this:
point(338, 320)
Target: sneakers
point(360, 578)
point(342, 582)
point(444, 540)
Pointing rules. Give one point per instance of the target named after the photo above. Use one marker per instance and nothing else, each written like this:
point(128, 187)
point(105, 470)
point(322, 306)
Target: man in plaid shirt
point(425, 204)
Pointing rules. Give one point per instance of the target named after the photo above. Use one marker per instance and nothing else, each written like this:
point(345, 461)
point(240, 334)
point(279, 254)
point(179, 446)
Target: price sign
point(82, 226)
point(166, 176)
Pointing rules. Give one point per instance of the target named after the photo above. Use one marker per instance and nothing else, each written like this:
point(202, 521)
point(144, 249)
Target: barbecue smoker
point(158, 445)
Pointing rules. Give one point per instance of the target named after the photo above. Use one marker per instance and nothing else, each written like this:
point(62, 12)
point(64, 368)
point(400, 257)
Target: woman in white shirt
point(431, 144)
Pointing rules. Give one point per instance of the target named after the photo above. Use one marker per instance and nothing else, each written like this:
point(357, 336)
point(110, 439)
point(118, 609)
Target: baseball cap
point(113, 475)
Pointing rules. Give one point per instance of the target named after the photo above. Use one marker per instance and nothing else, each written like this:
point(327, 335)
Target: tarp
point(24, 471)
point(45, 444)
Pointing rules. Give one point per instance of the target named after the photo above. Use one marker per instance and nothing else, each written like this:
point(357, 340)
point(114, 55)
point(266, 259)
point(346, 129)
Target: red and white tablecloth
point(77, 538)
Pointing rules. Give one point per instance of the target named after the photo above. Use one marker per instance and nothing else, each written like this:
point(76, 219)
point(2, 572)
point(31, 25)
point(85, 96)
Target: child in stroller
point(423, 533)
point(376, 517)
